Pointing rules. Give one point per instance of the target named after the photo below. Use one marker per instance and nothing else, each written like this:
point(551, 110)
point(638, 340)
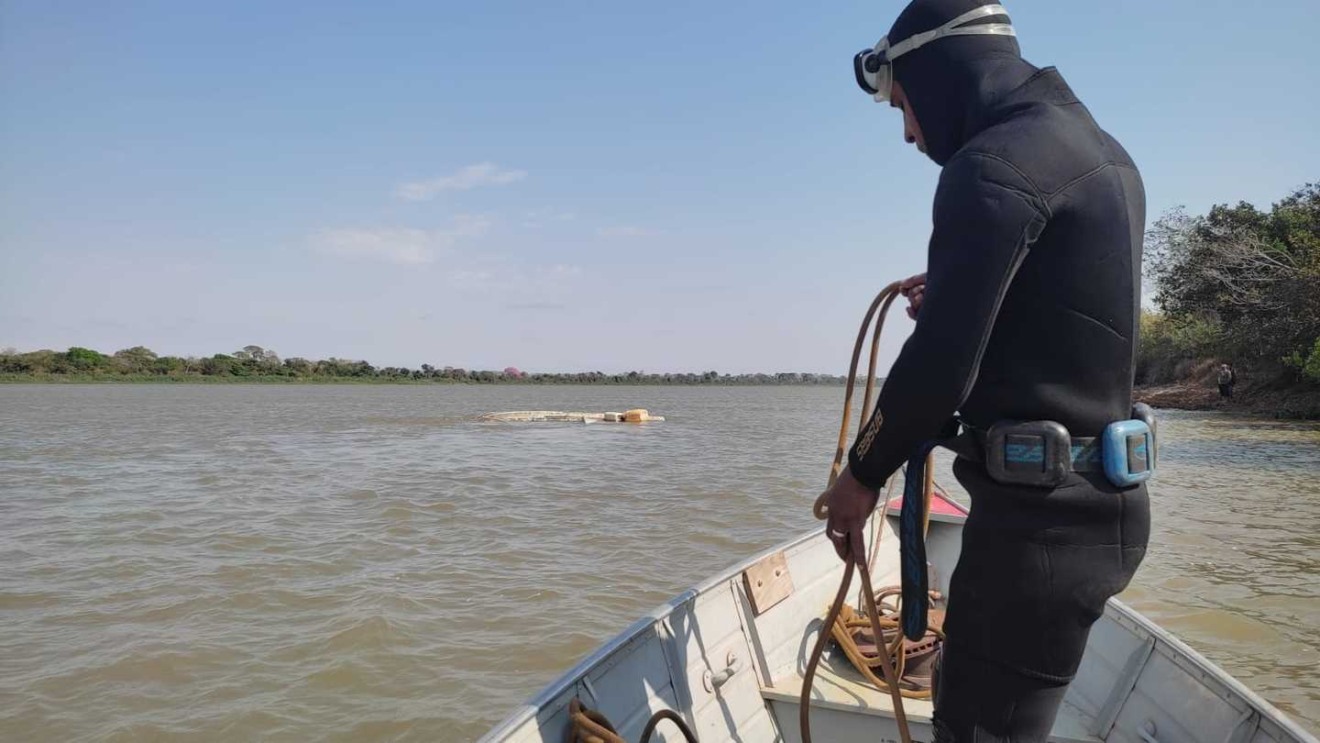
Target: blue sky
point(671, 186)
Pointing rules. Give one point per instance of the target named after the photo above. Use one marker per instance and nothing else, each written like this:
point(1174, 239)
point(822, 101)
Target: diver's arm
point(986, 217)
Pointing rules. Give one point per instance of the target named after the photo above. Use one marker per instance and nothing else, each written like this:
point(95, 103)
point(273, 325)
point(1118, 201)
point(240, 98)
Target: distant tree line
point(1237, 284)
point(255, 363)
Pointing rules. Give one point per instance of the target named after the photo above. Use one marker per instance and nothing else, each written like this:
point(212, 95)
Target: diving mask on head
point(874, 67)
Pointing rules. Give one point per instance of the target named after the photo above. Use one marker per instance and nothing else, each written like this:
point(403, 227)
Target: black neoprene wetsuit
point(1030, 313)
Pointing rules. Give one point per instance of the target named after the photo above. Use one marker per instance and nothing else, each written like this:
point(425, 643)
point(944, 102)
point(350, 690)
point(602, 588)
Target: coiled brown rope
point(590, 726)
point(849, 630)
point(886, 297)
point(858, 562)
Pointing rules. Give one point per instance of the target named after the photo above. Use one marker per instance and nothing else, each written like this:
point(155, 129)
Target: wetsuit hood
point(953, 84)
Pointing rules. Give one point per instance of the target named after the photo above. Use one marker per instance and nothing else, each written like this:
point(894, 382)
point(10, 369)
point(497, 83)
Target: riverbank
point(58, 379)
point(1300, 402)
point(764, 380)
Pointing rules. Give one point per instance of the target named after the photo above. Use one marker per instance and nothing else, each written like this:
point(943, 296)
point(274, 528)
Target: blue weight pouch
point(1128, 452)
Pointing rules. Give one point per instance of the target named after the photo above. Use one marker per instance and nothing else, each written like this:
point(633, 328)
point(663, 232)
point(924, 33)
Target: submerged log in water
point(558, 416)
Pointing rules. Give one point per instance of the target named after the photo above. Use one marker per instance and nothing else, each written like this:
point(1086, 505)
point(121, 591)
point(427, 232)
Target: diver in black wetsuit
point(1028, 312)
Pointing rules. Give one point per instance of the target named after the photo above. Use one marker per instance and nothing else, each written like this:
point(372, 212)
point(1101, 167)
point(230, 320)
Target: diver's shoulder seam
point(1084, 176)
point(1034, 197)
point(1005, 161)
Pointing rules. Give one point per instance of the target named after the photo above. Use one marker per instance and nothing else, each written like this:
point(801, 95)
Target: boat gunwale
point(645, 622)
point(1178, 648)
point(649, 620)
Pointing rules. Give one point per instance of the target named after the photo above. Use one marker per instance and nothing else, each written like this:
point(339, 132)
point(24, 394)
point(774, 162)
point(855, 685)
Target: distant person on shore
point(1227, 378)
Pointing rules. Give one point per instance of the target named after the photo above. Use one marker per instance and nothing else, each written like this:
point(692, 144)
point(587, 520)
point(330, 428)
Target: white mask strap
point(916, 41)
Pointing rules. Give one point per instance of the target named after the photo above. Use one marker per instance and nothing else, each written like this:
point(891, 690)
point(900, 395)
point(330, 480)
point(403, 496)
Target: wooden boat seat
point(840, 688)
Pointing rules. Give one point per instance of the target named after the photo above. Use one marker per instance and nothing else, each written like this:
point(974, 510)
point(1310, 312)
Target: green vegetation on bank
point(1238, 285)
point(254, 364)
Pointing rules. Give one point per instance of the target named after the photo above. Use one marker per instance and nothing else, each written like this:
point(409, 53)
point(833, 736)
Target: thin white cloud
point(473, 279)
point(550, 213)
point(625, 232)
point(403, 246)
point(469, 225)
point(560, 271)
point(465, 179)
point(537, 218)
point(536, 306)
point(530, 283)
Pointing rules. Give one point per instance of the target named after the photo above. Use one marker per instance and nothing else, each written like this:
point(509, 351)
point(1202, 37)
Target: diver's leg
point(1036, 569)
point(979, 701)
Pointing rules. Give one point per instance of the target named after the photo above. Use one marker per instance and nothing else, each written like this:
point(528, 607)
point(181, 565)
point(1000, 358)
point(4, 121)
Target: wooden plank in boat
point(842, 689)
point(768, 582)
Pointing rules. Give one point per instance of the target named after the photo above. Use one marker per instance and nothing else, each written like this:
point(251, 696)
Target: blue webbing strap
point(912, 545)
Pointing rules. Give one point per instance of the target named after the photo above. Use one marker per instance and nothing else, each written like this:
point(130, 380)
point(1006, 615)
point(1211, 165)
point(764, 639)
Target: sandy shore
point(1180, 396)
point(1296, 402)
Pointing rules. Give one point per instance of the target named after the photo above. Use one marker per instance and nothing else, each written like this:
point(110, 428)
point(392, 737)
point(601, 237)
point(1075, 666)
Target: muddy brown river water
point(369, 563)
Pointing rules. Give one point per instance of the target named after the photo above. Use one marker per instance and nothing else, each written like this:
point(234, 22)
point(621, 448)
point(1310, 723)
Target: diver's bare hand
point(850, 503)
point(914, 288)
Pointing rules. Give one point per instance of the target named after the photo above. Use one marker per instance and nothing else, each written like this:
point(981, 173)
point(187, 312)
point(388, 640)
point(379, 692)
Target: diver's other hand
point(850, 503)
point(914, 288)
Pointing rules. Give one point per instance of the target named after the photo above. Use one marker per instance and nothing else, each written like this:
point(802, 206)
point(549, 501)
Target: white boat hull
point(1137, 683)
